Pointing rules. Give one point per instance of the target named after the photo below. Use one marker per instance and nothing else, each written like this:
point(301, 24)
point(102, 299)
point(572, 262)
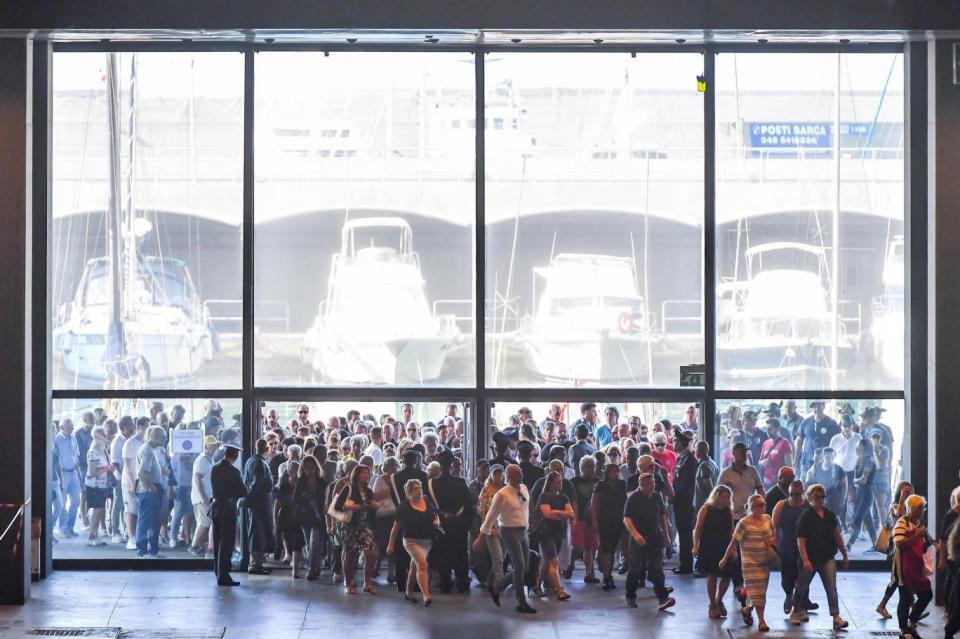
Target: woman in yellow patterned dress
point(758, 541)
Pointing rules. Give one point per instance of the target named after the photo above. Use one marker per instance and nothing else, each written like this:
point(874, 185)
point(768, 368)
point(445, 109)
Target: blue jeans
point(148, 523)
point(828, 577)
point(56, 501)
point(182, 508)
point(71, 501)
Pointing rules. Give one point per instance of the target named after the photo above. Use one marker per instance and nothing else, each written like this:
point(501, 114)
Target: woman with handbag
point(418, 524)
point(555, 512)
point(491, 542)
point(911, 540)
point(97, 485)
point(711, 536)
point(384, 511)
point(288, 517)
point(758, 554)
point(355, 502)
point(897, 510)
point(310, 498)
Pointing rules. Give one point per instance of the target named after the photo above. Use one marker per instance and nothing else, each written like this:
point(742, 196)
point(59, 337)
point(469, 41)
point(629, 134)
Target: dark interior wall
point(482, 14)
point(15, 254)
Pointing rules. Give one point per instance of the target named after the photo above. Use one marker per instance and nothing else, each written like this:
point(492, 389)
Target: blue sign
point(804, 135)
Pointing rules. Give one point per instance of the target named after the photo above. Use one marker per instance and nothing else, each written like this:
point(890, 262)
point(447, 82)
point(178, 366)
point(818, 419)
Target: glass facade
point(378, 247)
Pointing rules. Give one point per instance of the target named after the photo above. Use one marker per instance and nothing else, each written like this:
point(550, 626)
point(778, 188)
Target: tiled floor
point(276, 607)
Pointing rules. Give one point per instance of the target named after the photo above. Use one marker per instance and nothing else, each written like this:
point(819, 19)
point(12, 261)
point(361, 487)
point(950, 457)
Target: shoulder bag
point(343, 516)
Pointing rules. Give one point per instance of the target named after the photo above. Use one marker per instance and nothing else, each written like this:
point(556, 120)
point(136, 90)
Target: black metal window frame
point(478, 398)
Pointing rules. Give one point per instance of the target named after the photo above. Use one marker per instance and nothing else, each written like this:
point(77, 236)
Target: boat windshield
point(158, 284)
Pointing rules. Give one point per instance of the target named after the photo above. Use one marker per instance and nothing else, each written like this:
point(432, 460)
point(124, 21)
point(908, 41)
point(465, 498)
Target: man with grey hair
point(151, 482)
point(510, 510)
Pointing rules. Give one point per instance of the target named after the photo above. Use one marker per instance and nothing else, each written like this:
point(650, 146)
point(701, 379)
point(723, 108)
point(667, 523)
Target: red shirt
point(667, 459)
point(775, 453)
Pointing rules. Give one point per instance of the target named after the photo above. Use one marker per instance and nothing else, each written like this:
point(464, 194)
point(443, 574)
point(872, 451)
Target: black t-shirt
point(866, 469)
point(413, 523)
point(949, 519)
point(554, 528)
point(584, 488)
point(646, 513)
point(819, 534)
point(611, 502)
point(659, 483)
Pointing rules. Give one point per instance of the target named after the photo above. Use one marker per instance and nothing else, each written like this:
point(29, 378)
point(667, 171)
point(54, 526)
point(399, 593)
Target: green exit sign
point(693, 375)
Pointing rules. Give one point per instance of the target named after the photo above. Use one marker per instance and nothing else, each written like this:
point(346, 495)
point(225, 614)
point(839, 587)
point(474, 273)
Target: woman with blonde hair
point(758, 543)
point(416, 521)
point(897, 510)
point(911, 539)
point(711, 537)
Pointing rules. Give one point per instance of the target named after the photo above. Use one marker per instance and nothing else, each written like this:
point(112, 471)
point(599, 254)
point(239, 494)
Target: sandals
point(563, 596)
point(350, 589)
point(747, 612)
point(763, 627)
point(370, 588)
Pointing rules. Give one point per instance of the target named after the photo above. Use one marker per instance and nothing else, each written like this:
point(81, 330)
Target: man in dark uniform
point(227, 489)
point(684, 491)
point(501, 446)
point(411, 470)
point(754, 436)
point(531, 472)
point(259, 483)
point(452, 498)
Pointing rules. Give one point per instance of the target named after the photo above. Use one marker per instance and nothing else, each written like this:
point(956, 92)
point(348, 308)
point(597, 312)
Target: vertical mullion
point(709, 244)
point(250, 412)
point(480, 242)
point(41, 395)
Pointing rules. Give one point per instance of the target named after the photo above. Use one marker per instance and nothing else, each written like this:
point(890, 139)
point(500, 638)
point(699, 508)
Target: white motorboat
point(376, 325)
point(591, 324)
point(887, 330)
point(167, 330)
point(778, 324)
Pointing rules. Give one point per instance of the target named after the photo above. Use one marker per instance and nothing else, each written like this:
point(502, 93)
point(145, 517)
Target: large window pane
point(146, 249)
point(94, 441)
point(810, 248)
point(820, 441)
point(594, 207)
point(364, 210)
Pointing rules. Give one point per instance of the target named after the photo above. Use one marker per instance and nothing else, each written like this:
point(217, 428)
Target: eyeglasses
point(303, 412)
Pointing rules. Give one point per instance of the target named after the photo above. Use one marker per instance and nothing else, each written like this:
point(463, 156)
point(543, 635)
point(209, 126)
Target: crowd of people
point(390, 496)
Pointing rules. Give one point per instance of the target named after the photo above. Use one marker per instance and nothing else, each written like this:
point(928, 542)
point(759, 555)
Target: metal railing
point(681, 317)
point(235, 319)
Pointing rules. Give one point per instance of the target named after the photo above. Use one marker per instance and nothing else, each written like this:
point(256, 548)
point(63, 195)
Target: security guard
point(452, 498)
point(227, 489)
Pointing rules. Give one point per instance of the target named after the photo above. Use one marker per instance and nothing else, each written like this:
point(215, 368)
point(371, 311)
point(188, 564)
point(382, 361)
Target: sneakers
point(631, 602)
point(669, 602)
point(131, 544)
point(839, 623)
point(193, 551)
point(117, 538)
point(883, 612)
point(796, 619)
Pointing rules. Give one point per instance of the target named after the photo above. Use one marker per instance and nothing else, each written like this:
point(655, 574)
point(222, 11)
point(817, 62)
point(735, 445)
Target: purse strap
point(394, 491)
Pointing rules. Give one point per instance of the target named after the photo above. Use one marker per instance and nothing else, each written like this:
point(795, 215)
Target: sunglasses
point(303, 412)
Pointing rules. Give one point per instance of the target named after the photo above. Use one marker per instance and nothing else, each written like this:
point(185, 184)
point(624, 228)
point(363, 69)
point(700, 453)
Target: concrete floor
point(189, 604)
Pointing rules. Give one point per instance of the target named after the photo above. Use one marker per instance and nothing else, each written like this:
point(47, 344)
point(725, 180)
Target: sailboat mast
point(130, 244)
point(116, 346)
point(835, 237)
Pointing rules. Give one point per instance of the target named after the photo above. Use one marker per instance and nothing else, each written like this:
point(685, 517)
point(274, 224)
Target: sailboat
point(777, 325)
point(134, 318)
point(591, 323)
point(376, 325)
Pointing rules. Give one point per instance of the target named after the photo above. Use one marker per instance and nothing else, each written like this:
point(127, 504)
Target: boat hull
point(595, 358)
point(167, 356)
point(398, 361)
point(792, 363)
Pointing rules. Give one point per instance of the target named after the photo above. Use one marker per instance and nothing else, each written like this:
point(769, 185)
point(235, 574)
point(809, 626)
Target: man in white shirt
point(374, 449)
point(201, 493)
point(510, 510)
point(845, 446)
point(126, 427)
point(128, 479)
